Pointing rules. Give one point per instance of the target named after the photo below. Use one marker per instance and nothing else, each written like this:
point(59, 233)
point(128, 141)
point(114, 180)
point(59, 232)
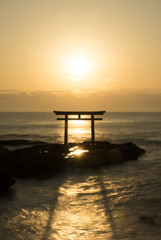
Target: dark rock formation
point(5, 181)
point(130, 151)
point(105, 153)
point(4, 150)
point(48, 159)
point(36, 161)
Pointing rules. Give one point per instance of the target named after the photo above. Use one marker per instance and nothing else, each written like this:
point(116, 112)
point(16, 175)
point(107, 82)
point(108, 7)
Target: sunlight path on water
point(79, 213)
point(66, 207)
point(82, 204)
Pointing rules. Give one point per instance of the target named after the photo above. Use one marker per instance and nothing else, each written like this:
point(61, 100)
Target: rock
point(36, 161)
point(130, 151)
point(99, 157)
point(4, 150)
point(49, 159)
point(37, 165)
point(105, 153)
point(92, 158)
point(83, 160)
point(5, 181)
point(114, 156)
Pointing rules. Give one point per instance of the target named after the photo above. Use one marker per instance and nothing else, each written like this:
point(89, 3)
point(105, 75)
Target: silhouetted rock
point(5, 181)
point(114, 156)
point(130, 151)
point(4, 150)
point(106, 153)
point(48, 159)
point(36, 161)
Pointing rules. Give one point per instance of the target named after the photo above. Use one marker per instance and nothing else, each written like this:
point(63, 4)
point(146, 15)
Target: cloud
point(76, 79)
point(78, 93)
point(110, 99)
point(110, 80)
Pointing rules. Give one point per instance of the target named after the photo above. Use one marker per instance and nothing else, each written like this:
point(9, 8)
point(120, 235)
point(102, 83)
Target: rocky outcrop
point(5, 181)
point(37, 161)
point(48, 159)
point(130, 151)
point(106, 153)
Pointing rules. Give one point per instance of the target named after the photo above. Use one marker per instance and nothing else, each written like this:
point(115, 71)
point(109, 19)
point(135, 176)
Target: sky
point(80, 55)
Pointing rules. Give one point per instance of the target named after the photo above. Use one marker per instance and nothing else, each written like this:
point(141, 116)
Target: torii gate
point(92, 119)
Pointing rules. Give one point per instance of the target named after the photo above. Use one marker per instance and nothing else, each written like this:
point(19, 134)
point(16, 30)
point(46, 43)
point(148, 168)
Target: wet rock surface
point(5, 181)
point(106, 153)
point(44, 159)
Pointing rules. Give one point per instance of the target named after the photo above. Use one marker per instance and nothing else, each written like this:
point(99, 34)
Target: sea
point(112, 202)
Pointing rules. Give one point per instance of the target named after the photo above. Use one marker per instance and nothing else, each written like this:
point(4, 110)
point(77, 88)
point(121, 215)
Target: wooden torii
point(92, 119)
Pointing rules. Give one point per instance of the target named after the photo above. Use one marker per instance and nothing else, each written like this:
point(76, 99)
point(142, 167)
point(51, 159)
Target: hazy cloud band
point(87, 99)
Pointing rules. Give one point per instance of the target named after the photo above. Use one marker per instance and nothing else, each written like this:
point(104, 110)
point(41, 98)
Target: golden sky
point(80, 55)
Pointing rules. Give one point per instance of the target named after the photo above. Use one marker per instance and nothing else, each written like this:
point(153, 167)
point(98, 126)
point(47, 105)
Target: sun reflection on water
point(78, 122)
point(80, 206)
point(80, 213)
point(75, 151)
point(78, 130)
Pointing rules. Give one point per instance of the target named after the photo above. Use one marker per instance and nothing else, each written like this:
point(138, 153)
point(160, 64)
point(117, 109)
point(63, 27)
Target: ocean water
point(105, 203)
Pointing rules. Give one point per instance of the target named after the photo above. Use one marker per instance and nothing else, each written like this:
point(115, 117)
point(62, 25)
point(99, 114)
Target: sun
point(78, 65)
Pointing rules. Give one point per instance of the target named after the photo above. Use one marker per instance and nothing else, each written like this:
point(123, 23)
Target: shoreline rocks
point(43, 160)
point(106, 153)
point(5, 181)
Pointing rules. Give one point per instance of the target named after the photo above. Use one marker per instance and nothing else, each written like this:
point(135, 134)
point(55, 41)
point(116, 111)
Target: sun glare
point(78, 152)
point(74, 152)
point(79, 122)
point(78, 65)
